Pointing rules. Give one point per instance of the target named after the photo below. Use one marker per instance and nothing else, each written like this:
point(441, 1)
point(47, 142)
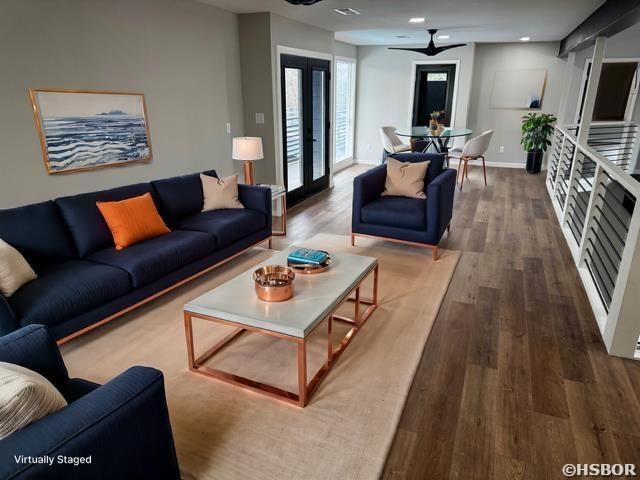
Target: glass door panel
point(319, 123)
point(294, 139)
point(344, 104)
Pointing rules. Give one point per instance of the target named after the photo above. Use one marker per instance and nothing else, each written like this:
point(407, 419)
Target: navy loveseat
point(120, 429)
point(83, 279)
point(416, 221)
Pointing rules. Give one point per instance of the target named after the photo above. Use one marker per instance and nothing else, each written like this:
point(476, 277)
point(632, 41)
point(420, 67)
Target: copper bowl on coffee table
point(274, 283)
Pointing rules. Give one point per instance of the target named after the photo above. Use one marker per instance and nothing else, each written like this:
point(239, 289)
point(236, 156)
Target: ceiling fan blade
point(448, 47)
point(425, 51)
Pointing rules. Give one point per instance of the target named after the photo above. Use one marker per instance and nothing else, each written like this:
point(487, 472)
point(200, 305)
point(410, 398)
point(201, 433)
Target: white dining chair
point(391, 142)
point(474, 149)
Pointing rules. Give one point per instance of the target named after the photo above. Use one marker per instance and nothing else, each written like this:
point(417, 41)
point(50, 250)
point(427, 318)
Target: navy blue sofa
point(84, 281)
point(415, 221)
point(122, 425)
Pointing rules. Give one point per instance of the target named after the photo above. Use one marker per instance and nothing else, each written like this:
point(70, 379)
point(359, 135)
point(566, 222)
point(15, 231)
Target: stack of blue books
point(308, 256)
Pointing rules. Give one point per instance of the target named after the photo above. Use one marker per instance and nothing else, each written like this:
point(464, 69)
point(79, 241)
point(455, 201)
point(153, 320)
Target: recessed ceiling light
point(525, 39)
point(346, 11)
point(443, 37)
point(416, 20)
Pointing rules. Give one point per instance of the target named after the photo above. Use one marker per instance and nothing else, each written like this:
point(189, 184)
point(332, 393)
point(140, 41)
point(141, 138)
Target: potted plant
point(537, 129)
point(433, 123)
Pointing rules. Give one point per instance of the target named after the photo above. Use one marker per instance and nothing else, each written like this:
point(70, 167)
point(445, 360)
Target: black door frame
point(307, 65)
point(420, 69)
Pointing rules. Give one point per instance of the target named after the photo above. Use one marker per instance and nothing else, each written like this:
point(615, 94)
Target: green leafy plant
point(537, 128)
point(435, 114)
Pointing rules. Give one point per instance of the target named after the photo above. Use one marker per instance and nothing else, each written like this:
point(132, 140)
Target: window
point(345, 109)
point(437, 77)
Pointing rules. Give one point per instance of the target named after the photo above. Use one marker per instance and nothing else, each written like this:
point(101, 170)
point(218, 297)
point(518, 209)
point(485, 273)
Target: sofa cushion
point(133, 220)
point(228, 225)
point(220, 193)
point(67, 290)
point(25, 397)
point(87, 226)
point(14, 270)
point(405, 179)
point(399, 212)
point(147, 261)
point(26, 227)
point(436, 165)
point(179, 197)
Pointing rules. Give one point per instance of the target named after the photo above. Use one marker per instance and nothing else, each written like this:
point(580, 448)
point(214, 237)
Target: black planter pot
point(534, 162)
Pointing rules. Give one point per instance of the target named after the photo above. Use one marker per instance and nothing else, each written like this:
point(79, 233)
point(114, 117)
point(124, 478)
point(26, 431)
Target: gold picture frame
point(83, 130)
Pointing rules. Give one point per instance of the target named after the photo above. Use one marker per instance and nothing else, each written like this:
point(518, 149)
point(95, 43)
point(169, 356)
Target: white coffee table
point(317, 297)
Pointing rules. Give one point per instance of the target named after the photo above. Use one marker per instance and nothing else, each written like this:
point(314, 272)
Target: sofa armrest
point(8, 321)
point(440, 193)
point(366, 188)
point(256, 198)
point(122, 427)
point(34, 348)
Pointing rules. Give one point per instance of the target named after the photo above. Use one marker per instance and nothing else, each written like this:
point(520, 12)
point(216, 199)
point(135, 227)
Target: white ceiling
point(382, 21)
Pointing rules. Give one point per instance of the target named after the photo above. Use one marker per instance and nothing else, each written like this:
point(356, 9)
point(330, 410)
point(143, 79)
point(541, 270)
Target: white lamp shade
point(247, 148)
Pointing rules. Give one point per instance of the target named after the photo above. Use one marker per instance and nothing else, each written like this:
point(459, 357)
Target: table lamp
point(247, 149)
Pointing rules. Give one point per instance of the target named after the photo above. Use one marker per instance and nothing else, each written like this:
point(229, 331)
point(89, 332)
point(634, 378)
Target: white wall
point(385, 93)
point(342, 49)
point(493, 57)
point(184, 56)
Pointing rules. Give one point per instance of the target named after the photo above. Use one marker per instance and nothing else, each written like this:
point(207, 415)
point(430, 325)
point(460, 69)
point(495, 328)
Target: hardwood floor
point(514, 381)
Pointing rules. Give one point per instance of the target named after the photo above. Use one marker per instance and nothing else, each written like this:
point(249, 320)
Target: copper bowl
point(274, 283)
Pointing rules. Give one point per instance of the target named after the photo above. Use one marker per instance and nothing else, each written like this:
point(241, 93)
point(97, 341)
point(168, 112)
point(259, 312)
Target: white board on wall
point(518, 89)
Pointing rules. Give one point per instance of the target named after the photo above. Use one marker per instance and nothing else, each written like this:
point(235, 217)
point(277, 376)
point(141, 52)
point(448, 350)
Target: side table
point(279, 194)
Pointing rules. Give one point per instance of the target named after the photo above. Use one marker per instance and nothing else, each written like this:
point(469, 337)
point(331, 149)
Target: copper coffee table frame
point(305, 390)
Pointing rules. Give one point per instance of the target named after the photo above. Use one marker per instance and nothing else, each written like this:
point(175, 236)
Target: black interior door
point(434, 91)
point(305, 124)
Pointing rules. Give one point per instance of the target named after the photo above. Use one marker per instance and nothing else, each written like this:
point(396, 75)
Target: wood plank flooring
point(514, 381)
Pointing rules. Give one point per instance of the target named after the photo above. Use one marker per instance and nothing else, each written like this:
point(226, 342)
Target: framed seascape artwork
point(85, 130)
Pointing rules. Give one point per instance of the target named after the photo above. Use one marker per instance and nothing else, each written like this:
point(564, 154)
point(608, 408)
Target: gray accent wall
point(184, 56)
point(260, 35)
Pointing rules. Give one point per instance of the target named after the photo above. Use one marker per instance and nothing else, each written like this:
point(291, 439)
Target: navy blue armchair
point(122, 428)
point(414, 221)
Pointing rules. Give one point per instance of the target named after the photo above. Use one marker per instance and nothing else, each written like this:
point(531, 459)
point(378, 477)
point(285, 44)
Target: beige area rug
point(223, 432)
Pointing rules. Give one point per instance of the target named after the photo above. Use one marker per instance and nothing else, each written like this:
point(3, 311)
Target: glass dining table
point(438, 139)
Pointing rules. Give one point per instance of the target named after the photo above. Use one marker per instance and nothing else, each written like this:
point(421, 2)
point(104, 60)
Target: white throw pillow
point(405, 179)
point(25, 396)
point(14, 270)
point(220, 192)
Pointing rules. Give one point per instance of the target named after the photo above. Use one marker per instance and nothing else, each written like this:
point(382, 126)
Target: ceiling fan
point(431, 49)
point(303, 2)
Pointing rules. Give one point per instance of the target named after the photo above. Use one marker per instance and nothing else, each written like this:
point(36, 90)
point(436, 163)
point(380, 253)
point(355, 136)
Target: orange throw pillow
point(132, 220)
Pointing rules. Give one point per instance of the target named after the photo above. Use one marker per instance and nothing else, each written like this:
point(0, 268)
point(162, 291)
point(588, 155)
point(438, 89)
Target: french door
point(305, 125)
